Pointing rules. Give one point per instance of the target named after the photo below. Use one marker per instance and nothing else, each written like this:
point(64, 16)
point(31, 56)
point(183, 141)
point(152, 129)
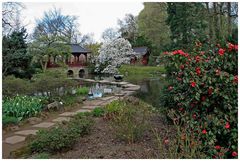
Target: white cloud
point(94, 17)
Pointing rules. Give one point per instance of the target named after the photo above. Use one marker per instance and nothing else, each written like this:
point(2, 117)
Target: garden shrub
point(12, 86)
point(51, 82)
point(6, 120)
point(203, 91)
point(82, 90)
point(127, 119)
point(62, 137)
point(22, 107)
point(41, 156)
point(98, 112)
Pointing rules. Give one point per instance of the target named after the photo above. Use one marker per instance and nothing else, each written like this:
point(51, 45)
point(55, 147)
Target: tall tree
point(187, 23)
point(11, 17)
point(112, 55)
point(152, 25)
point(52, 36)
point(16, 59)
point(128, 27)
point(110, 34)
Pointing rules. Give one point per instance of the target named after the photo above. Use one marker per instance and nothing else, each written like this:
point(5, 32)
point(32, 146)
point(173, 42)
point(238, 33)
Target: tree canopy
point(16, 59)
point(152, 25)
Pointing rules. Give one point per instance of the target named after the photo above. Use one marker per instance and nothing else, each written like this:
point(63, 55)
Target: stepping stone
point(44, 125)
point(129, 85)
point(114, 83)
point(107, 98)
point(119, 94)
point(114, 99)
point(70, 114)
point(15, 139)
point(61, 119)
point(104, 81)
point(83, 110)
point(93, 102)
point(89, 107)
point(123, 83)
point(128, 93)
point(109, 101)
point(27, 132)
point(89, 80)
point(132, 88)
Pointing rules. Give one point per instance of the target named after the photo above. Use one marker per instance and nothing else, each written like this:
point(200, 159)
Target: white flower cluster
point(113, 54)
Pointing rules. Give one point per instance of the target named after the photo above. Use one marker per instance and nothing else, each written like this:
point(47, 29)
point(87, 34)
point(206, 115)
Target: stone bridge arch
point(76, 71)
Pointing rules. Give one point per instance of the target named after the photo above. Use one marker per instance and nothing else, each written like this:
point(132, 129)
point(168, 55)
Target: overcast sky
point(94, 17)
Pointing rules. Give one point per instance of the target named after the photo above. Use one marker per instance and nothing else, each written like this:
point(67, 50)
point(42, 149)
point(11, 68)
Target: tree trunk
point(221, 14)
point(229, 18)
point(210, 21)
point(216, 20)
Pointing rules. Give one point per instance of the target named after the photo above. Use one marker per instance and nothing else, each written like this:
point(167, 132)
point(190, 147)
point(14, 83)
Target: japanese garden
point(162, 84)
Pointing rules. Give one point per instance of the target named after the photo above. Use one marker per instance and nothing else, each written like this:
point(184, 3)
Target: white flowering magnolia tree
point(112, 55)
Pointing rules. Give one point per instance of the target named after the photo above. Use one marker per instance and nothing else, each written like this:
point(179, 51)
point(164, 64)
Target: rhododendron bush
point(203, 92)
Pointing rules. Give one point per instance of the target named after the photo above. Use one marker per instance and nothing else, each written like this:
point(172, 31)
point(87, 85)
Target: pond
point(150, 91)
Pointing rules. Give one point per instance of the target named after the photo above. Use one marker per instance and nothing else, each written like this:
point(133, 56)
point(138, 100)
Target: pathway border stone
point(68, 114)
point(15, 139)
point(27, 132)
point(61, 119)
point(44, 125)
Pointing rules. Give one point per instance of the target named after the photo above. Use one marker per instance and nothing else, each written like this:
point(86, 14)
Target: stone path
point(88, 105)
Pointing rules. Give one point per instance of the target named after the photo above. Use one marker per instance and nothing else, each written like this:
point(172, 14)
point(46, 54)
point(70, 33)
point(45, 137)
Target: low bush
point(62, 137)
point(13, 86)
point(51, 83)
point(82, 91)
point(41, 156)
point(6, 120)
point(128, 119)
point(98, 112)
point(22, 107)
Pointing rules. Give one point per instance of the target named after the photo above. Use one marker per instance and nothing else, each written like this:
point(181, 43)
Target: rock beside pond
point(14, 128)
point(34, 120)
point(81, 99)
point(55, 106)
point(133, 100)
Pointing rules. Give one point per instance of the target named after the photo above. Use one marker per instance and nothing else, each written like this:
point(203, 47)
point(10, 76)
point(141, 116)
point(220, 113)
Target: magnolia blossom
point(113, 54)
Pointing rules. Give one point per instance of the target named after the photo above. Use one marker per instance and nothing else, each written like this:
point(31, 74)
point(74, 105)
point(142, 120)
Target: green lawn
point(141, 70)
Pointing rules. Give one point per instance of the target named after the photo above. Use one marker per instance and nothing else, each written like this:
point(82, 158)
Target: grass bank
point(141, 70)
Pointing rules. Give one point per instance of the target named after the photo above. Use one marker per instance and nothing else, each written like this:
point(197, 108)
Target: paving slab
point(132, 88)
point(15, 139)
point(114, 83)
point(128, 93)
point(109, 101)
point(93, 102)
point(89, 107)
point(44, 125)
point(104, 81)
point(27, 132)
point(106, 98)
point(129, 85)
point(89, 80)
point(119, 94)
point(68, 114)
point(123, 83)
point(61, 119)
point(83, 110)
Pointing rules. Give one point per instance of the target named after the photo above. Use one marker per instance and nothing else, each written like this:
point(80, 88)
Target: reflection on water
point(150, 91)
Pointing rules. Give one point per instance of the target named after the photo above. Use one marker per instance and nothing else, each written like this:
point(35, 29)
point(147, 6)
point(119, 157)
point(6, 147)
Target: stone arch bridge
point(77, 71)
